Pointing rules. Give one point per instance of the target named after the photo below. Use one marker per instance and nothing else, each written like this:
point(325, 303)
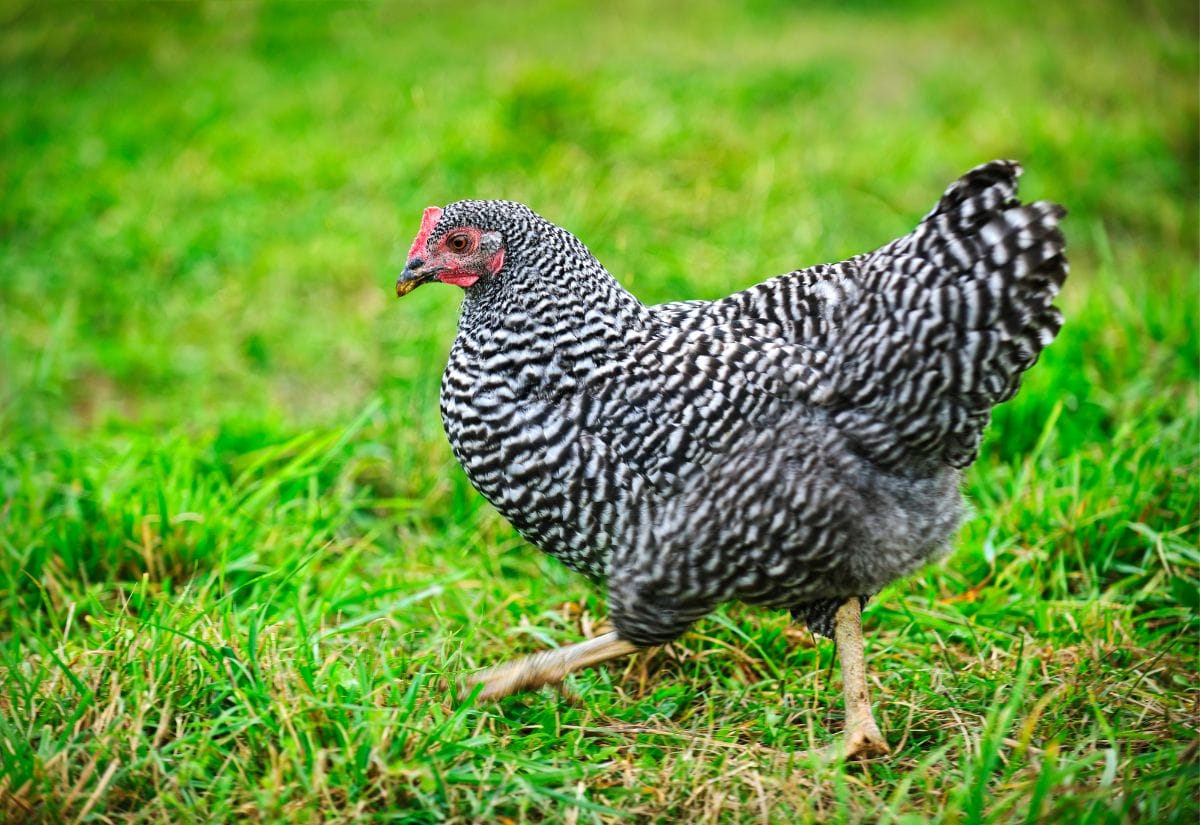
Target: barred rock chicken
point(798, 445)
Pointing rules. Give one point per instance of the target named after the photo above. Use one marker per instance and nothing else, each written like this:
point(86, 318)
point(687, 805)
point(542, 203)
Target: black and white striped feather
point(791, 445)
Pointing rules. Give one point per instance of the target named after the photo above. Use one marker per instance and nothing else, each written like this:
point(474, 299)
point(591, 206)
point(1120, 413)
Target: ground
point(239, 568)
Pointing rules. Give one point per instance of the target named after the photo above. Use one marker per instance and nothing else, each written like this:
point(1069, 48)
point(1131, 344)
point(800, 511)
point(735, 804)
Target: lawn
point(239, 568)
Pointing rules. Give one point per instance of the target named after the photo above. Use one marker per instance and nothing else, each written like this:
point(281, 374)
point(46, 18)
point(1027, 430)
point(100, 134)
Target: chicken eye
point(459, 242)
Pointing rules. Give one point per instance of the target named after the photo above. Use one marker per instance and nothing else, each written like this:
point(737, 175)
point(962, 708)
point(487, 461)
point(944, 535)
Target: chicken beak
point(411, 278)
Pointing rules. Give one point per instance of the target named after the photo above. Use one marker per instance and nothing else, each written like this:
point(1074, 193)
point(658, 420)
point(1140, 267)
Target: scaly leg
point(547, 668)
point(862, 736)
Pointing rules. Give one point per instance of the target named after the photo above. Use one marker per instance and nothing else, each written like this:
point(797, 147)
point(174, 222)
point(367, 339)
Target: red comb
point(429, 219)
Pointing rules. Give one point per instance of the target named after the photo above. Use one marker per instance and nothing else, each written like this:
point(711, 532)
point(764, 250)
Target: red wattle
point(458, 277)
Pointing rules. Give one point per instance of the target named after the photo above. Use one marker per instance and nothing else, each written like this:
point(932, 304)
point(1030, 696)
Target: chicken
point(797, 445)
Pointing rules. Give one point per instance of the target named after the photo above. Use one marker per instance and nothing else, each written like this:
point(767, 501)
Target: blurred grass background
point(236, 555)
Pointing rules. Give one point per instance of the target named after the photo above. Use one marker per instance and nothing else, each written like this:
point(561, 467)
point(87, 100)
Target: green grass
point(238, 565)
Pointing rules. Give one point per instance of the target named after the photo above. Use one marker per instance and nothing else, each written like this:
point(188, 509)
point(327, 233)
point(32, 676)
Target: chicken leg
point(862, 736)
point(547, 668)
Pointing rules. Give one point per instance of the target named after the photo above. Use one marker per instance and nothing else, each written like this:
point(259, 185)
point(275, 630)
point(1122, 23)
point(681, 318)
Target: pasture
point(239, 567)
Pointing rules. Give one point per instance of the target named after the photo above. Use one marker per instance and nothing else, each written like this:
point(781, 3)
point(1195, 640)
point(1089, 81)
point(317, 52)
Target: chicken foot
point(546, 668)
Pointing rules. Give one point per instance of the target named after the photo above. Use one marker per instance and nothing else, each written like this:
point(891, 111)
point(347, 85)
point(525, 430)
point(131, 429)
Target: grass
point(238, 565)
